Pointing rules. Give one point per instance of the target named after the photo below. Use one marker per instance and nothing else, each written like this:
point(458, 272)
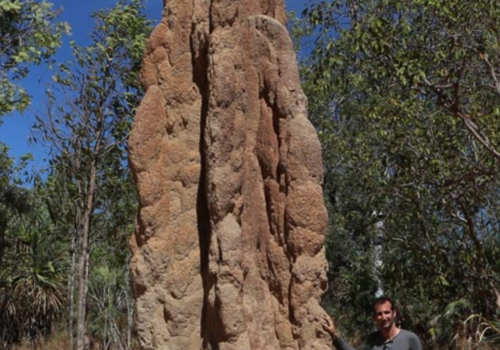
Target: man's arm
point(339, 343)
point(415, 343)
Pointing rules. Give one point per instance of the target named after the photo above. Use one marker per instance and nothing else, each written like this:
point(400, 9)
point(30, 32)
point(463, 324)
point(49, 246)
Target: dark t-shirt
point(404, 340)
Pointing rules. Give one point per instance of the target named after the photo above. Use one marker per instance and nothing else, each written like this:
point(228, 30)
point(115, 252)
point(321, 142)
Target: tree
point(34, 273)
point(86, 125)
point(29, 34)
point(443, 51)
point(405, 98)
point(13, 198)
point(31, 259)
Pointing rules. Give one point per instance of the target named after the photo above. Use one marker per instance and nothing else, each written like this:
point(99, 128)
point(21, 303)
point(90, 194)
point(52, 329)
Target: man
point(388, 337)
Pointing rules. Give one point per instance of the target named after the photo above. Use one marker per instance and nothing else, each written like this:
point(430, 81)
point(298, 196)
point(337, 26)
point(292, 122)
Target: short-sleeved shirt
point(404, 340)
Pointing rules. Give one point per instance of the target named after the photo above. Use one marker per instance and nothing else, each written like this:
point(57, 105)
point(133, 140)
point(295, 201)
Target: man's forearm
point(341, 344)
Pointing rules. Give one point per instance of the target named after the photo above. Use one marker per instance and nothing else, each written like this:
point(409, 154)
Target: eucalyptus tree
point(405, 96)
point(86, 124)
point(30, 33)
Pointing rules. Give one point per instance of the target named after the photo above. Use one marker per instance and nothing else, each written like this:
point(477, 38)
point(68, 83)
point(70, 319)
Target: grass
point(57, 342)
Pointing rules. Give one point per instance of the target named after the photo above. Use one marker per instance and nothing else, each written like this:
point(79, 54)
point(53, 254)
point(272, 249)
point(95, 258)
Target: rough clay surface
point(228, 250)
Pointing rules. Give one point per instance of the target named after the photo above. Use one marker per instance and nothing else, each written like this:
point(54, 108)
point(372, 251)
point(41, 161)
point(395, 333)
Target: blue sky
point(15, 130)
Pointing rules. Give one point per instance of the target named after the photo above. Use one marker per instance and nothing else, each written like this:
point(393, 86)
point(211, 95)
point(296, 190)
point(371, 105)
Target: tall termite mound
point(228, 250)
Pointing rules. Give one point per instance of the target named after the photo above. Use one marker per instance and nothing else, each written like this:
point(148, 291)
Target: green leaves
point(29, 34)
point(404, 96)
point(10, 6)
point(33, 274)
point(90, 106)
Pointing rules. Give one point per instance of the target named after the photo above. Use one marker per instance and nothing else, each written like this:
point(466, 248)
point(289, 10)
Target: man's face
point(384, 316)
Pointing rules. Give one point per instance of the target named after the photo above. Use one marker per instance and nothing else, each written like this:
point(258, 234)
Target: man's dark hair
point(383, 299)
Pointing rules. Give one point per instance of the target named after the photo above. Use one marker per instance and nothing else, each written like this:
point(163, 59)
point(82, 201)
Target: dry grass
point(57, 342)
point(61, 342)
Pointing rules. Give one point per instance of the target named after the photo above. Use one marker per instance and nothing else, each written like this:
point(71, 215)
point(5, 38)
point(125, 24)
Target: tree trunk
point(130, 310)
point(83, 263)
point(71, 285)
point(3, 240)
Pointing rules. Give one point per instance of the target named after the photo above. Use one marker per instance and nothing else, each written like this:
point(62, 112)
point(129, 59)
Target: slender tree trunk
point(76, 167)
point(3, 241)
point(377, 254)
point(378, 258)
point(130, 309)
point(83, 263)
point(71, 284)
